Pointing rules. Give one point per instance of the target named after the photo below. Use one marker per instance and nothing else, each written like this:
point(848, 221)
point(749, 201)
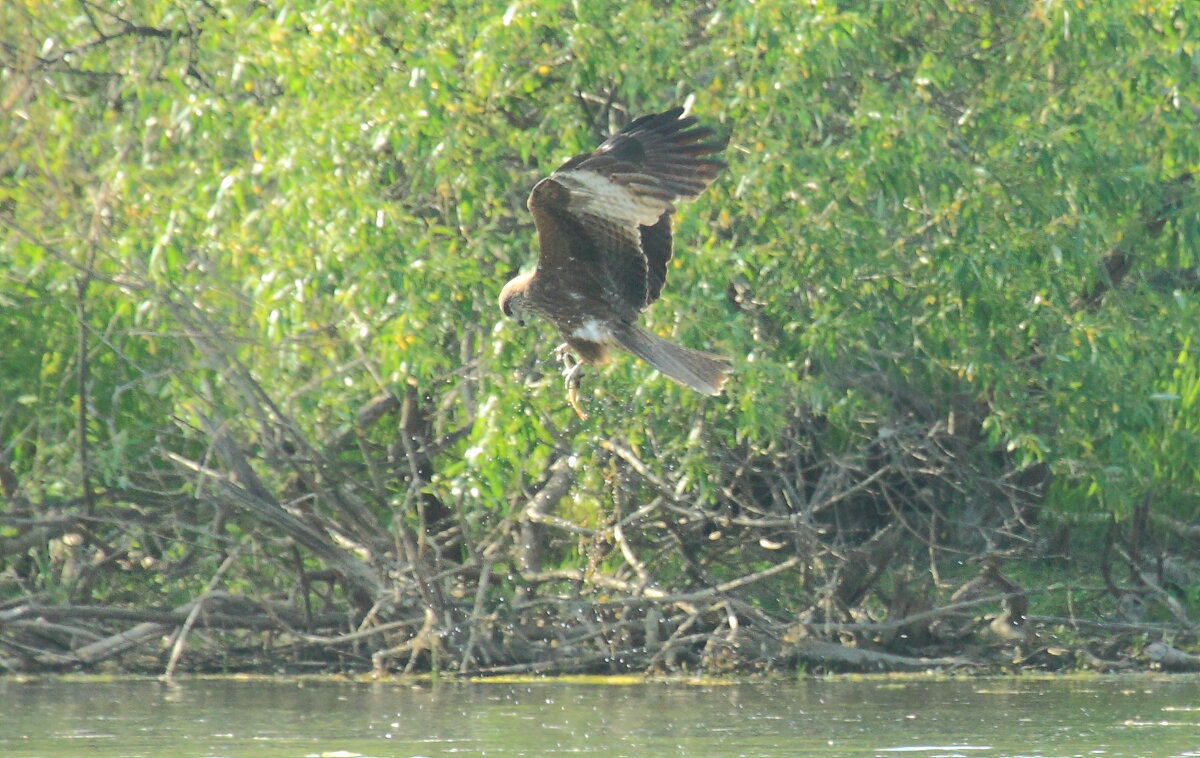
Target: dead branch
point(181, 636)
point(1170, 658)
point(841, 657)
point(243, 489)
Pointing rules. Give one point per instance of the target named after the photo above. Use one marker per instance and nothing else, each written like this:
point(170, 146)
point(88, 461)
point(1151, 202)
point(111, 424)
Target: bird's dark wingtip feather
point(653, 121)
point(667, 123)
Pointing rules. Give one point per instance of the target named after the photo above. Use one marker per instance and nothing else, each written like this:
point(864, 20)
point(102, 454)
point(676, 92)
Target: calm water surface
point(1125, 716)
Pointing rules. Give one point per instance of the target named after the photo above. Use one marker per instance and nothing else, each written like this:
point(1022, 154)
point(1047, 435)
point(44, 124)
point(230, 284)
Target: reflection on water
point(1126, 716)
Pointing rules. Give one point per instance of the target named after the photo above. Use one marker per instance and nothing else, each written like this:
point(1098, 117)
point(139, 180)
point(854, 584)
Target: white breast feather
point(600, 196)
point(593, 330)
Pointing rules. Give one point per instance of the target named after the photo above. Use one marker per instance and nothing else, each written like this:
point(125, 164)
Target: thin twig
point(181, 637)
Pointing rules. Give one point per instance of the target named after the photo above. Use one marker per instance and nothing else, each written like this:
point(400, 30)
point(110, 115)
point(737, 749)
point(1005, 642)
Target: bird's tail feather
point(703, 372)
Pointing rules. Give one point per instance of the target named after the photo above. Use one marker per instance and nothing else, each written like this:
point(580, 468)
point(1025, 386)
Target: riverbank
point(1000, 615)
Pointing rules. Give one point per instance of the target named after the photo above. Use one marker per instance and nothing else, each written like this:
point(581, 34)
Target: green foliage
point(266, 214)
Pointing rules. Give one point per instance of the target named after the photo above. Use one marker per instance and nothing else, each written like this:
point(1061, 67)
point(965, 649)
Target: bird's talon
point(574, 375)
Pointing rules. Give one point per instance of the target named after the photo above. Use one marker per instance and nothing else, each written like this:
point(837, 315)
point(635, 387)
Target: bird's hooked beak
point(511, 309)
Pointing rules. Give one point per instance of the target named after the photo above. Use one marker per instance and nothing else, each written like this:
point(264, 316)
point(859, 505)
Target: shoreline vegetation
point(259, 412)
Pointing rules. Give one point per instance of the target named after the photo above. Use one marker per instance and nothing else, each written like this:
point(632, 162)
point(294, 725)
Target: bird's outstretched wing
point(609, 210)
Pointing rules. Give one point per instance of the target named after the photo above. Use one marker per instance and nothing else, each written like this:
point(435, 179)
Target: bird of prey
point(604, 228)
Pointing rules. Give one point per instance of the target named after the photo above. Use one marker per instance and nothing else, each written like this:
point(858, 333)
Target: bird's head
point(514, 299)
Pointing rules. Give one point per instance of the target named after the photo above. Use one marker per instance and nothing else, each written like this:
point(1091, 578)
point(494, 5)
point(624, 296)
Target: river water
point(1143, 716)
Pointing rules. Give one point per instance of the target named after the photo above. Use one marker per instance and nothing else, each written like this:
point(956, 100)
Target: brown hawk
point(604, 227)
